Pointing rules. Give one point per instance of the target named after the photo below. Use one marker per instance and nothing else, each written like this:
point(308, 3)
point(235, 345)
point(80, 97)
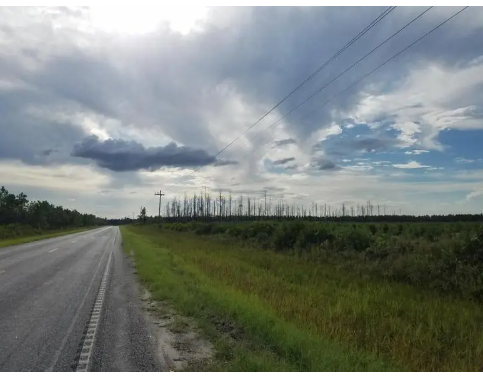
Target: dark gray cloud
point(281, 143)
point(122, 155)
point(274, 188)
point(48, 152)
point(291, 167)
point(30, 137)
point(324, 164)
point(283, 161)
point(341, 147)
point(92, 87)
point(225, 162)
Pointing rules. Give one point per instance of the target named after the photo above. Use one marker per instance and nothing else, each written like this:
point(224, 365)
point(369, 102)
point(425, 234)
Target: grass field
point(38, 237)
point(274, 311)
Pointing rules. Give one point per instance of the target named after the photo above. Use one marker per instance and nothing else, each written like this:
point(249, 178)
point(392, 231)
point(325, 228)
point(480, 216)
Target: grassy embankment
point(275, 311)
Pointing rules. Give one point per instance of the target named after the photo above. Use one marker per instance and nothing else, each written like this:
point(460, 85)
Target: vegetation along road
point(292, 295)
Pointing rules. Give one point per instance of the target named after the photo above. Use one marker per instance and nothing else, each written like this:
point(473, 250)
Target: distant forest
point(17, 211)
point(220, 208)
point(20, 216)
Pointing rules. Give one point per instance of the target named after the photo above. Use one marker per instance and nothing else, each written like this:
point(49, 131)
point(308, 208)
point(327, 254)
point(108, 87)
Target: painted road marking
point(74, 241)
point(87, 346)
point(74, 320)
point(50, 251)
point(1, 272)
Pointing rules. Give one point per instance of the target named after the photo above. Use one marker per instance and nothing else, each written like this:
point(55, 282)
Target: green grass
point(295, 315)
point(38, 237)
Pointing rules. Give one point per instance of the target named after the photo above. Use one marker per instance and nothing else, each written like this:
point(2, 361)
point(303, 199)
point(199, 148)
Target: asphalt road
point(48, 292)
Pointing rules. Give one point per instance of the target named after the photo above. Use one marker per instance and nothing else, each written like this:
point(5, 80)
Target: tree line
point(18, 209)
point(221, 208)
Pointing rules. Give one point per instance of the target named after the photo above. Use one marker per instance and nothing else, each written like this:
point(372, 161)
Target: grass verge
point(38, 237)
point(270, 312)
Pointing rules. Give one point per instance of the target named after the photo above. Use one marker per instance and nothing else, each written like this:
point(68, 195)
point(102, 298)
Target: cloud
point(63, 79)
point(461, 160)
point(29, 136)
point(435, 96)
point(416, 151)
point(66, 178)
point(283, 161)
point(281, 143)
point(474, 194)
point(224, 163)
point(324, 164)
point(47, 152)
point(349, 147)
point(361, 166)
point(324, 133)
point(410, 165)
point(121, 155)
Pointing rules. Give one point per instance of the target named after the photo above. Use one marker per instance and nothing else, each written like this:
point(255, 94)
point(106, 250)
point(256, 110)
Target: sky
point(102, 107)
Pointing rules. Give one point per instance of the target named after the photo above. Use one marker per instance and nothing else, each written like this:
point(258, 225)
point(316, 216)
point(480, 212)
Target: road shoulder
point(125, 341)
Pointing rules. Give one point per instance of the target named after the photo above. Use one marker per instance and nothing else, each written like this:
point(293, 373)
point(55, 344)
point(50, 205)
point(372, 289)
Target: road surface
point(55, 292)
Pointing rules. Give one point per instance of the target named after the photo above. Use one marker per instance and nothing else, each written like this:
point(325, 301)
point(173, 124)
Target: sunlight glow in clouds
point(143, 20)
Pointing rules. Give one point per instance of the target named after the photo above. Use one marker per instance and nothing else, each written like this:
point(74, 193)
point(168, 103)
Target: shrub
point(286, 234)
point(353, 239)
point(373, 229)
point(204, 229)
point(446, 257)
point(312, 235)
point(472, 252)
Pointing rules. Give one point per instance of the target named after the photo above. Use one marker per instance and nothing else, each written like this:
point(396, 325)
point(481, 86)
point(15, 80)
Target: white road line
point(74, 241)
point(88, 345)
point(1, 272)
point(50, 251)
point(74, 320)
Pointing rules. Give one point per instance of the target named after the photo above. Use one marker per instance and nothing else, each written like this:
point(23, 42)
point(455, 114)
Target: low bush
point(447, 257)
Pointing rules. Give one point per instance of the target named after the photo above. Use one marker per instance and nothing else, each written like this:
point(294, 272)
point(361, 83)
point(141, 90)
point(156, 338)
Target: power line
point(347, 69)
point(342, 73)
point(350, 43)
point(386, 61)
point(379, 66)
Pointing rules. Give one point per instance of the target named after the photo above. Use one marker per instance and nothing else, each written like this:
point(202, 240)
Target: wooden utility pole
point(160, 194)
